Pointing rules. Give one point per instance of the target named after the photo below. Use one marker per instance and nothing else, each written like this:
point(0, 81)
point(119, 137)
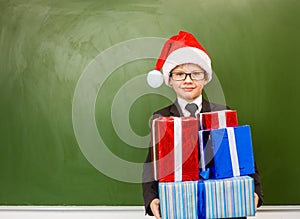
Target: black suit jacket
point(150, 186)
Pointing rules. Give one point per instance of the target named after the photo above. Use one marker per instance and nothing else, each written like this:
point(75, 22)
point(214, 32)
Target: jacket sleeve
point(257, 185)
point(150, 186)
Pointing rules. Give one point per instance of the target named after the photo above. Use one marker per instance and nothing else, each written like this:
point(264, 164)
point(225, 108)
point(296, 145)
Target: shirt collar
point(182, 103)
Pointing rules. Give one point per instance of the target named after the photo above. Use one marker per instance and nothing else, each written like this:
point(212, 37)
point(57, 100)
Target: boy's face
point(188, 89)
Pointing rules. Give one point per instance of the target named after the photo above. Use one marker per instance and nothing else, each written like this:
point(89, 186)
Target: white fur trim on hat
point(186, 55)
point(155, 78)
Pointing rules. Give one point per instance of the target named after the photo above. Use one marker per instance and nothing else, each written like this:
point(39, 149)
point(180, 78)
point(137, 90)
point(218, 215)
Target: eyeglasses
point(181, 76)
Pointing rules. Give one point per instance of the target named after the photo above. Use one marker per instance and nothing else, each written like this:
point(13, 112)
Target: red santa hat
point(179, 49)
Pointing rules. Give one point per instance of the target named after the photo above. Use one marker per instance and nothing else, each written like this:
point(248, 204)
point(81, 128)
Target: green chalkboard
point(75, 106)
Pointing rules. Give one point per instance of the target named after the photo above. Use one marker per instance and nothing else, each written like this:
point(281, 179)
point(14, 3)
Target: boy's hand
point(154, 205)
point(256, 198)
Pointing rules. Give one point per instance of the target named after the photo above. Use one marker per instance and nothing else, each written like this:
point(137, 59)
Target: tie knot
point(192, 108)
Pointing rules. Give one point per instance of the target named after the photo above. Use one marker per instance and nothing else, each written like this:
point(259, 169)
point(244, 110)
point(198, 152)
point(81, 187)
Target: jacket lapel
point(205, 106)
point(175, 110)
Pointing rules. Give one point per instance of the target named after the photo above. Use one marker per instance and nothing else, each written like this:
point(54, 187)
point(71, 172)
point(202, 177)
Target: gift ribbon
point(222, 119)
point(200, 120)
point(177, 149)
point(201, 200)
point(202, 161)
point(204, 173)
point(154, 152)
point(233, 152)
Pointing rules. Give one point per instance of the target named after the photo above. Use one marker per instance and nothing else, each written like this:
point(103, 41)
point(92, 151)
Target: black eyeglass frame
point(186, 74)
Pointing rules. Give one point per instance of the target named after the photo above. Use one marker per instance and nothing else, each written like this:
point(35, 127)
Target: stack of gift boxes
point(203, 174)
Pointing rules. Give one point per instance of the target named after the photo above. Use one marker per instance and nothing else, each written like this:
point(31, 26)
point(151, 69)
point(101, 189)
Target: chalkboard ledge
point(122, 212)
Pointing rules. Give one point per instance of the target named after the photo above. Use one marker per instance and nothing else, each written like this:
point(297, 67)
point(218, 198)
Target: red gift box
point(175, 148)
point(218, 119)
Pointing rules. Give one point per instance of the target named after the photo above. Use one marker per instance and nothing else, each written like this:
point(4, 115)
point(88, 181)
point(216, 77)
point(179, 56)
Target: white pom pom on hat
point(179, 49)
point(155, 79)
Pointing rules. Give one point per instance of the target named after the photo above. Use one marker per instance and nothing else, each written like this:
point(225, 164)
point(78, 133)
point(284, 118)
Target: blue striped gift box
point(219, 198)
point(228, 198)
point(178, 200)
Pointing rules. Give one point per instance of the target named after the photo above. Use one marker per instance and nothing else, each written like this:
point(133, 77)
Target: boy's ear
point(206, 80)
point(170, 82)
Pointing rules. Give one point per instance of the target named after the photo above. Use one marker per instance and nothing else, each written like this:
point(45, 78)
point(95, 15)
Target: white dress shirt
point(182, 103)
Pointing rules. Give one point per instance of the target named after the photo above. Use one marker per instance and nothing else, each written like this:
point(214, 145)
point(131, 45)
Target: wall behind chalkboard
point(47, 45)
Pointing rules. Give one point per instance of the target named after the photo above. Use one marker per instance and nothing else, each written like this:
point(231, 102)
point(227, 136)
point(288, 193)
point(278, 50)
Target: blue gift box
point(224, 198)
point(178, 200)
point(226, 152)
